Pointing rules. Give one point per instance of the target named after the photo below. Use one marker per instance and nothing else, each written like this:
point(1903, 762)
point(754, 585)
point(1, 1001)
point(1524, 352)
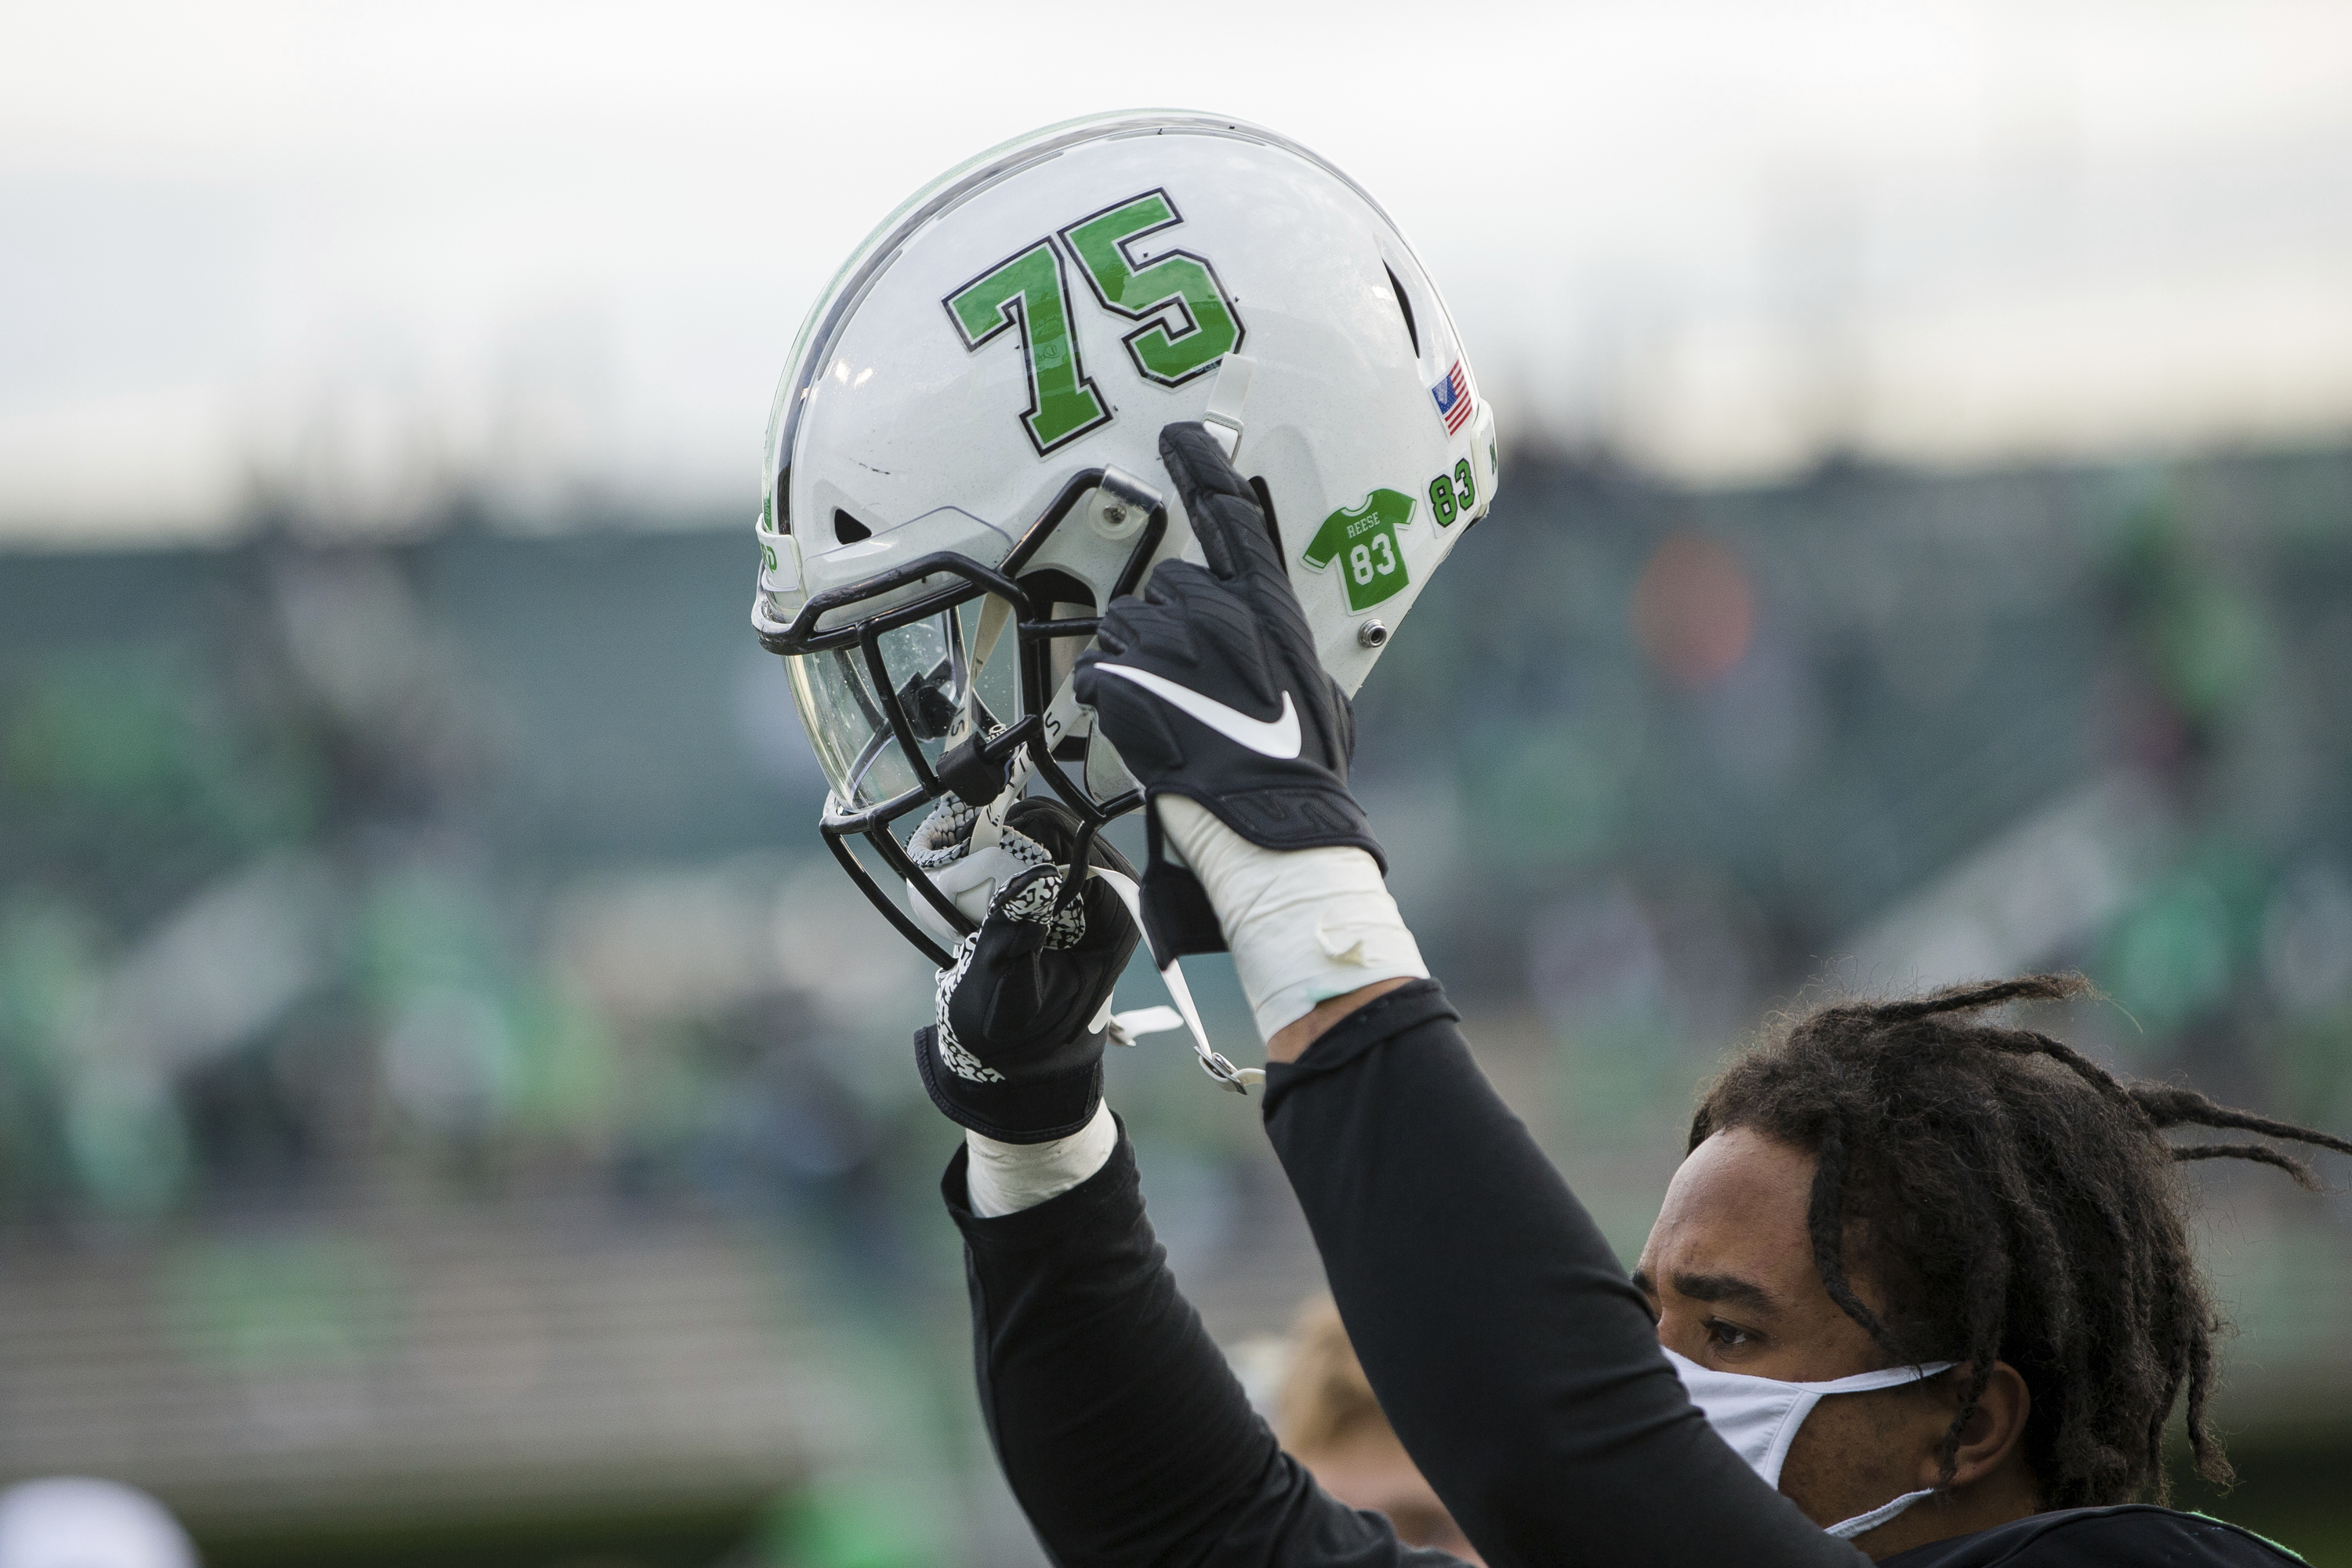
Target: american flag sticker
point(1453, 396)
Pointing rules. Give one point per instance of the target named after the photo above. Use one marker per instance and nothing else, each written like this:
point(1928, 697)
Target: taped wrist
point(1005, 1178)
point(1303, 925)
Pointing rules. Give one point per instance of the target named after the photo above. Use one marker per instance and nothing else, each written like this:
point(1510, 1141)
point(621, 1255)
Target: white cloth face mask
point(1758, 1416)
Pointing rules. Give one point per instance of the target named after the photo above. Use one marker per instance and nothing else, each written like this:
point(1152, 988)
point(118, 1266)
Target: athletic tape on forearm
point(1303, 925)
point(1005, 1178)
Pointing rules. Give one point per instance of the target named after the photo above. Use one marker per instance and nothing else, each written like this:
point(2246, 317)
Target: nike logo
point(1277, 738)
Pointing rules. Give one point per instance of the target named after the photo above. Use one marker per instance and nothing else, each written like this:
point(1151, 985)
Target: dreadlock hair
point(2013, 1201)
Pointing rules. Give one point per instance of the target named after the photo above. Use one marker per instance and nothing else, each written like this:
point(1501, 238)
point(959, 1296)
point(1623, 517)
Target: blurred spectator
point(1329, 1421)
point(72, 1521)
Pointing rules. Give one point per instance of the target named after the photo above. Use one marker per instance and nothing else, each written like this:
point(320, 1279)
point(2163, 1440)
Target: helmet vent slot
point(1404, 308)
point(1273, 523)
point(848, 530)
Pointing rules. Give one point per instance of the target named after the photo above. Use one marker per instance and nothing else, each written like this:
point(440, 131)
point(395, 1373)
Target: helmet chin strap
point(1065, 717)
point(1152, 1020)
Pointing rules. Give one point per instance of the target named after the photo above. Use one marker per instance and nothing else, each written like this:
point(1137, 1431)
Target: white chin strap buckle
point(1126, 1028)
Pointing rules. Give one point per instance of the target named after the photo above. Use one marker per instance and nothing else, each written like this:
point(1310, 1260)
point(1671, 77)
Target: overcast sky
point(352, 254)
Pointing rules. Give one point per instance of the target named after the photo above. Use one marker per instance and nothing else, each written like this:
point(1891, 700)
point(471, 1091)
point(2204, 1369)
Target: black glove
point(1012, 1056)
point(1210, 689)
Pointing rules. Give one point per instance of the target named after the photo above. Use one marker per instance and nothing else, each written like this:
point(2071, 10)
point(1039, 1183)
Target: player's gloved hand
point(1210, 689)
point(1016, 1053)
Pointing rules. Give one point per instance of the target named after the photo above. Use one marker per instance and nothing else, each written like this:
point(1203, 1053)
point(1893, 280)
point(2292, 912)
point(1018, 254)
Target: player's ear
point(1993, 1432)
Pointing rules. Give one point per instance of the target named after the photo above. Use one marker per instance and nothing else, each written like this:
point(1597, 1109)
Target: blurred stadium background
point(450, 1109)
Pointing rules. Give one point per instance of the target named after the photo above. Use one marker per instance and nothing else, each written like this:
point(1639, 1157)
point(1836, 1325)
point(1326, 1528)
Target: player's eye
point(1729, 1336)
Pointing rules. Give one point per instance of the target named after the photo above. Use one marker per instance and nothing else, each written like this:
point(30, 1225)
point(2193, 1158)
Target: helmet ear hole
point(848, 530)
point(1059, 595)
point(1051, 588)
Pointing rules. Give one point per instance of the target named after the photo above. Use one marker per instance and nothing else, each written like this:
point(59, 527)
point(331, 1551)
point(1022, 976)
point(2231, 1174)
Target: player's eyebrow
point(1726, 1289)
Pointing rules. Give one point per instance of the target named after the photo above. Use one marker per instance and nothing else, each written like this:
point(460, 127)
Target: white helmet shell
point(78, 1521)
point(987, 378)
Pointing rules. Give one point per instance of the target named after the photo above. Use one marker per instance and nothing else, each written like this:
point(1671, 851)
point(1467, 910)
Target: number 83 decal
point(1452, 500)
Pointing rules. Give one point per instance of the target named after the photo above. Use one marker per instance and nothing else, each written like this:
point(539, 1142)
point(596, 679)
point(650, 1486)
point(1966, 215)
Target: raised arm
point(1120, 1428)
point(1509, 1350)
point(1124, 1434)
point(1516, 1361)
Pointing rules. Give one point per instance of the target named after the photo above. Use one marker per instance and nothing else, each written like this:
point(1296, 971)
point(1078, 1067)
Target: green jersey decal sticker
point(1189, 323)
point(1024, 294)
point(1363, 540)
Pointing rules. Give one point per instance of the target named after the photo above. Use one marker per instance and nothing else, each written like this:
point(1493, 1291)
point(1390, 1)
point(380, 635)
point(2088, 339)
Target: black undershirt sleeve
point(1124, 1434)
point(1510, 1352)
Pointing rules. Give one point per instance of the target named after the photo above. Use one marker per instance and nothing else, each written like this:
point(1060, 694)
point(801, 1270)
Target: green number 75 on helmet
point(963, 466)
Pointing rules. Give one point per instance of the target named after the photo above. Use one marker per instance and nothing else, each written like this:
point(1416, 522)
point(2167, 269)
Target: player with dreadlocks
point(2016, 1205)
point(1920, 1291)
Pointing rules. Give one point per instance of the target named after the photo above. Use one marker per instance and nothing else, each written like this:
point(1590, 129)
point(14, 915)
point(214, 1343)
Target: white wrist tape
point(1303, 925)
point(1005, 1178)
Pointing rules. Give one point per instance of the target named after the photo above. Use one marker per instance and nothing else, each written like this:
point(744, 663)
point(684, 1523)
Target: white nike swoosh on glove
point(1277, 738)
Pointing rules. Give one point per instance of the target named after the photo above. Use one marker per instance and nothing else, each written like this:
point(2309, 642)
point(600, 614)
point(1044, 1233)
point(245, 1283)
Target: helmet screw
point(1114, 515)
point(1372, 634)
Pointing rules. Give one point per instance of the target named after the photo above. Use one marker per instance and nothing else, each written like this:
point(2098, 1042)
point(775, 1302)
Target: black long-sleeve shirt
point(1516, 1361)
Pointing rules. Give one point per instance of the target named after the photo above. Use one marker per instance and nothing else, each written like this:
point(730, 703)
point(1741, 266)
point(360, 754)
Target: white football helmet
point(80, 1521)
point(963, 464)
